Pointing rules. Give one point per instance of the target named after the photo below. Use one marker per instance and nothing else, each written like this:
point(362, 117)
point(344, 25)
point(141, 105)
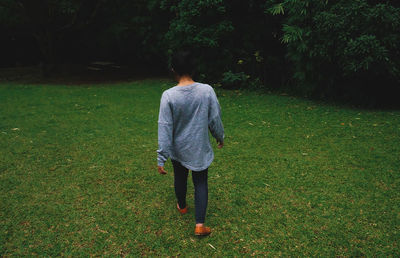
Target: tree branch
point(11, 4)
point(74, 20)
point(78, 14)
point(94, 12)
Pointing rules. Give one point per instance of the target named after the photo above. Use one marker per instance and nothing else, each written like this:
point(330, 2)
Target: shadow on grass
point(383, 104)
point(77, 75)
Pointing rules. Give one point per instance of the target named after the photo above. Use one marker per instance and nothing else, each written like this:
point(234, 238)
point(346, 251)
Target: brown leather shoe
point(202, 231)
point(182, 211)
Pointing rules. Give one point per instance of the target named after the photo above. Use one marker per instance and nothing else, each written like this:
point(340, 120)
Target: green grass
point(78, 176)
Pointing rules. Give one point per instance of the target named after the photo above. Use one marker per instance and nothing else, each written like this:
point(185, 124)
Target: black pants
point(200, 189)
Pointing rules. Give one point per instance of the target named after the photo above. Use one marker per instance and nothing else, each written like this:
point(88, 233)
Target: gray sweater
point(186, 115)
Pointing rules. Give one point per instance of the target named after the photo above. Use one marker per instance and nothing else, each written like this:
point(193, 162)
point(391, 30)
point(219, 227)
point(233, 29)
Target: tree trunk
point(39, 14)
point(45, 42)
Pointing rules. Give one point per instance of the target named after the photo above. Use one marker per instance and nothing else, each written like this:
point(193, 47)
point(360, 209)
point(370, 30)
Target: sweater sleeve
point(165, 129)
point(214, 118)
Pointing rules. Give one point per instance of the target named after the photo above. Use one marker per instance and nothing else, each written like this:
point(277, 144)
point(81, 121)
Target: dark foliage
point(345, 49)
point(325, 49)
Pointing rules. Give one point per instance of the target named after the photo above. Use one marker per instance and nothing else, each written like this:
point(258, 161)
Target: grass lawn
point(78, 176)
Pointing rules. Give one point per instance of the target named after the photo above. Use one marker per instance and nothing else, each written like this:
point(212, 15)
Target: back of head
point(182, 63)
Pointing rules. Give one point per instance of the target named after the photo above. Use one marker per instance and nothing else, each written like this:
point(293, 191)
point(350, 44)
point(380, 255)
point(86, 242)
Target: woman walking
point(188, 111)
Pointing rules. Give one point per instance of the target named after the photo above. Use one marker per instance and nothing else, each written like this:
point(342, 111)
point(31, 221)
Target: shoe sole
point(202, 234)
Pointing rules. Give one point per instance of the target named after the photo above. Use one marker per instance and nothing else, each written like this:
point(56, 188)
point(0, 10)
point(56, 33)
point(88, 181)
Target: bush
point(234, 80)
point(224, 33)
point(342, 48)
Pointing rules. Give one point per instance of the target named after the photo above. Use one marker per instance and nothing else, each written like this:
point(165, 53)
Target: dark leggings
point(200, 189)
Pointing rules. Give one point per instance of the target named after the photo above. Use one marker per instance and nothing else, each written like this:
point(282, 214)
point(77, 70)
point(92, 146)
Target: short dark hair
point(182, 63)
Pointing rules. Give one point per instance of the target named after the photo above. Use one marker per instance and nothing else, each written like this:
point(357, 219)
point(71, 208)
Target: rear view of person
point(188, 111)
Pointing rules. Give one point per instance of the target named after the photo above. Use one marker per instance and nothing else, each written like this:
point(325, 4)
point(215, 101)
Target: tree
point(48, 20)
point(341, 48)
point(235, 41)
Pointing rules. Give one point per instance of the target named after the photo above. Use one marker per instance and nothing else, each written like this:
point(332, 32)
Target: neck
point(185, 80)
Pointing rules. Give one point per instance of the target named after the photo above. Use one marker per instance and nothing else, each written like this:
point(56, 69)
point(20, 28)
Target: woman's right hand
point(220, 144)
point(161, 170)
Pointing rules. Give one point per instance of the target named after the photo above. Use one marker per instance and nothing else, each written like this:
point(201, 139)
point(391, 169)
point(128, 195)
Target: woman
point(187, 111)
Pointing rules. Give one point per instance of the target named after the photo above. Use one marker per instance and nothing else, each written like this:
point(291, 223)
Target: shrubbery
point(328, 49)
point(342, 48)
